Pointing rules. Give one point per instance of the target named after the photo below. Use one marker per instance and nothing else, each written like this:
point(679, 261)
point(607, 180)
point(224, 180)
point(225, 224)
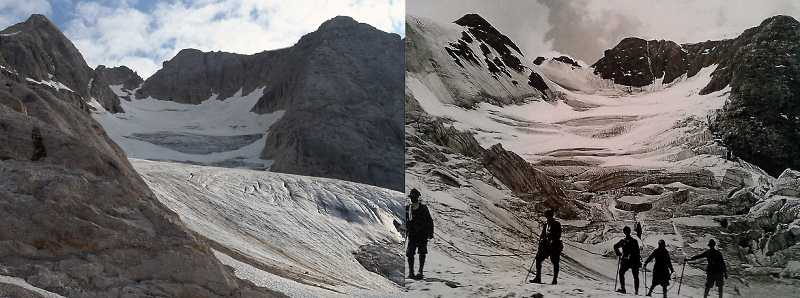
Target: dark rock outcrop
point(36, 49)
point(568, 61)
point(340, 88)
point(761, 121)
point(638, 62)
point(120, 75)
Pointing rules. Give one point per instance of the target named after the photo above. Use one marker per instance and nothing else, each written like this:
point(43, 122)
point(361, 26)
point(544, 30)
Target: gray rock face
point(340, 88)
point(77, 219)
point(36, 49)
point(120, 75)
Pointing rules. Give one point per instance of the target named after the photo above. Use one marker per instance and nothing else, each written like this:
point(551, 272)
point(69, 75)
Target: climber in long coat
point(420, 230)
point(662, 269)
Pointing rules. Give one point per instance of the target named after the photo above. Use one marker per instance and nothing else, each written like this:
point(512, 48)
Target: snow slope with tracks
point(291, 233)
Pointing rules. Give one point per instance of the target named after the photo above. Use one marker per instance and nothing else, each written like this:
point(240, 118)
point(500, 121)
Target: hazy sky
point(585, 28)
point(143, 33)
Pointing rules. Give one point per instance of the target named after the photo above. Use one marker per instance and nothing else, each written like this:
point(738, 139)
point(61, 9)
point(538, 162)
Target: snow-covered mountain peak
point(488, 35)
point(474, 62)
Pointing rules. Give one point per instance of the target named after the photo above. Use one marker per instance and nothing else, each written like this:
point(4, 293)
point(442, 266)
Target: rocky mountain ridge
point(37, 50)
point(339, 89)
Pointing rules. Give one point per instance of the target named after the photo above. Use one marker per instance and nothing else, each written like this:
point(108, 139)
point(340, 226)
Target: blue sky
point(141, 34)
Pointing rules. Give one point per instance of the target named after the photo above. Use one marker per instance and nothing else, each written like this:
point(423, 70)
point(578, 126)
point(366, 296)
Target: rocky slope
point(760, 122)
point(78, 220)
point(39, 52)
point(339, 89)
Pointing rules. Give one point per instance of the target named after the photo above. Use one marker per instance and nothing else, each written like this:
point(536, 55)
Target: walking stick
point(529, 270)
point(619, 260)
point(534, 259)
point(645, 277)
point(681, 281)
point(644, 268)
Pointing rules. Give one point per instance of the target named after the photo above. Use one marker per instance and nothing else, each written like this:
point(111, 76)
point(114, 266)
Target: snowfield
point(608, 127)
point(290, 233)
point(214, 132)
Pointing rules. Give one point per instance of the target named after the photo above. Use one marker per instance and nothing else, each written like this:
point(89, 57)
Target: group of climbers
point(420, 229)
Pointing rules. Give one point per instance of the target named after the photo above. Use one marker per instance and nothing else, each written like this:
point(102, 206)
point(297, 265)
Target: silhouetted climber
point(716, 271)
point(419, 229)
point(629, 259)
point(638, 229)
point(662, 268)
point(550, 246)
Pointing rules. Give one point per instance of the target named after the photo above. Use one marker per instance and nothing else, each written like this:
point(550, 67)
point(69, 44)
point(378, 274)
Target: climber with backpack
point(716, 271)
point(419, 229)
point(662, 269)
point(550, 246)
point(627, 250)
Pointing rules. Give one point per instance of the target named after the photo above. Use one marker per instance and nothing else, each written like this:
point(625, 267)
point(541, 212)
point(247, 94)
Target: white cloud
point(124, 35)
point(585, 28)
point(11, 11)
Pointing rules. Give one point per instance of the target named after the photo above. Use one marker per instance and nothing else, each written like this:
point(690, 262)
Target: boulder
point(742, 200)
point(652, 189)
point(737, 177)
point(787, 184)
point(634, 203)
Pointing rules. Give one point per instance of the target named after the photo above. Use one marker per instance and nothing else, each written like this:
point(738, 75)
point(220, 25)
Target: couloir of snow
point(212, 117)
point(290, 233)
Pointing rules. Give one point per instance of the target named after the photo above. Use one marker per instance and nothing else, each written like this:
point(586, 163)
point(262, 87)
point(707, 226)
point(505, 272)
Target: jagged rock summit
point(38, 51)
point(120, 75)
point(77, 220)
